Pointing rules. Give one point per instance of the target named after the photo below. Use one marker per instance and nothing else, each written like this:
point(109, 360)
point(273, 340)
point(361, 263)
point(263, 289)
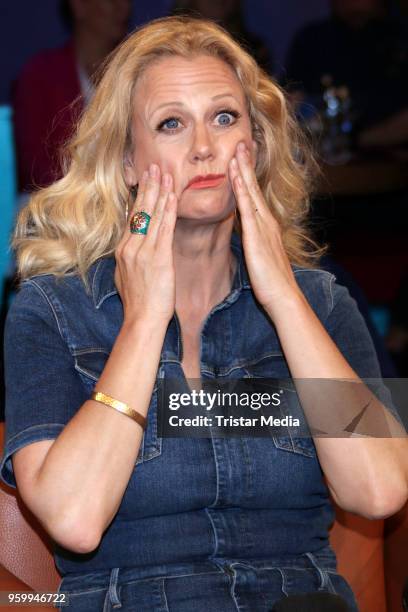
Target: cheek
point(171, 158)
point(142, 158)
point(173, 164)
point(167, 159)
point(229, 144)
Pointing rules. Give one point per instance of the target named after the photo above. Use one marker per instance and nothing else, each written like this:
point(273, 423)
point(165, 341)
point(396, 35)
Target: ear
point(129, 170)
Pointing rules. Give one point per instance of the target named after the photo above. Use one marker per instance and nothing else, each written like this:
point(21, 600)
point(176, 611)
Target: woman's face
point(188, 117)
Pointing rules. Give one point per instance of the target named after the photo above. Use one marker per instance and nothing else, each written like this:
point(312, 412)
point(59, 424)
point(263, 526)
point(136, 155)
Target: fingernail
point(166, 180)
point(153, 170)
point(242, 146)
point(233, 163)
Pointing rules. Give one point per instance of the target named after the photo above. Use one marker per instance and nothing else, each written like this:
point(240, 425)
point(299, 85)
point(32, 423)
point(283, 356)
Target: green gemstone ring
point(139, 222)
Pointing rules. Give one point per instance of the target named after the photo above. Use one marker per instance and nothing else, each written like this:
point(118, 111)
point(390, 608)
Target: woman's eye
point(169, 124)
point(225, 118)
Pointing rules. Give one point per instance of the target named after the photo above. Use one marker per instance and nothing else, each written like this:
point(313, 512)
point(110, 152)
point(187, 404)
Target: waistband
point(322, 559)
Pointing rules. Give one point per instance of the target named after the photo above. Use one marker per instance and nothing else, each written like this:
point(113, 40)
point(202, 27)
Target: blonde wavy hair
point(67, 226)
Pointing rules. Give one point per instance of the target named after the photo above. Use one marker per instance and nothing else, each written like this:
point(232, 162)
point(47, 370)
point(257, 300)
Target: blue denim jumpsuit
point(222, 524)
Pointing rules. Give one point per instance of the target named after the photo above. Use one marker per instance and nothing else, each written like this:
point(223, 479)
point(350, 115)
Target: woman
point(56, 84)
point(150, 523)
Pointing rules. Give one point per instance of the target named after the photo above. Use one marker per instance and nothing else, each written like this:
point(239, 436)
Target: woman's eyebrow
point(166, 104)
point(224, 95)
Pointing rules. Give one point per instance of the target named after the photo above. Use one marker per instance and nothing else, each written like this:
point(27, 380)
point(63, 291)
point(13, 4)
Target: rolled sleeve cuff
point(36, 433)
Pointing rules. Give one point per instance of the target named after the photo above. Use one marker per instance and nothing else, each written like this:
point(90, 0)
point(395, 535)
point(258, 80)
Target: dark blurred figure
point(343, 277)
point(228, 13)
point(49, 84)
point(362, 48)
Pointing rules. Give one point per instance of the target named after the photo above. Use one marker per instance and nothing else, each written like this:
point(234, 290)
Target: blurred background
point(344, 66)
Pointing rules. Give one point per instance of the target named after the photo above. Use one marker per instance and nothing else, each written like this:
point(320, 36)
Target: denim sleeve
point(348, 329)
point(43, 391)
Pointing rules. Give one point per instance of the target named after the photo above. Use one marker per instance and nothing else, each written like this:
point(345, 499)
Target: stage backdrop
point(27, 27)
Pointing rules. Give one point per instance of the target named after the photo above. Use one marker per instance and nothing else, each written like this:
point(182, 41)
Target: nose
point(202, 147)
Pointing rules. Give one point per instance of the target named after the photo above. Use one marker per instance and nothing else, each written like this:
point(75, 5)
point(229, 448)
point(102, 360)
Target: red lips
point(202, 182)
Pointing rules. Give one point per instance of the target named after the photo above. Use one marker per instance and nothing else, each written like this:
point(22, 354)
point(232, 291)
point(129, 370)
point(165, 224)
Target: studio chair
point(396, 560)
point(26, 561)
point(359, 546)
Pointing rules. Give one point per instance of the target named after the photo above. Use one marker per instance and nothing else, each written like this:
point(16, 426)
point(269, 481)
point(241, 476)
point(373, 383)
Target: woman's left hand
point(269, 269)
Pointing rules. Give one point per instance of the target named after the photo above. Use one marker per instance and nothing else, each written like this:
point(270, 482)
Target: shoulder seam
point(319, 270)
point(332, 280)
point(45, 296)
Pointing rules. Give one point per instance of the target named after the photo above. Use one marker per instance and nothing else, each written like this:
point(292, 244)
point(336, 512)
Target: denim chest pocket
point(270, 365)
point(89, 365)
point(298, 438)
point(295, 439)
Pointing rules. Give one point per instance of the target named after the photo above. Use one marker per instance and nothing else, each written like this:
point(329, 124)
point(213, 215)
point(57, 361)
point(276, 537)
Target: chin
point(205, 208)
point(207, 216)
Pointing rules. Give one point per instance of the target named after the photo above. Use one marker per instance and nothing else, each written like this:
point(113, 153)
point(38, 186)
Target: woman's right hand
point(145, 274)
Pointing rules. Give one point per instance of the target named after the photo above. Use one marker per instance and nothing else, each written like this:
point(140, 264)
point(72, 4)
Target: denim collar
point(103, 284)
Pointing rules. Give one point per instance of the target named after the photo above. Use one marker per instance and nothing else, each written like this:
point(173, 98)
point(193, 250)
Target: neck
point(90, 50)
point(205, 265)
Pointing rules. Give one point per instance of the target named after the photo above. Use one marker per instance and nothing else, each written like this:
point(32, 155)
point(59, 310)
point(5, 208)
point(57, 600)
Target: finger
point(152, 190)
point(248, 174)
point(147, 201)
point(233, 169)
point(137, 204)
point(244, 201)
point(165, 189)
point(141, 189)
point(166, 229)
